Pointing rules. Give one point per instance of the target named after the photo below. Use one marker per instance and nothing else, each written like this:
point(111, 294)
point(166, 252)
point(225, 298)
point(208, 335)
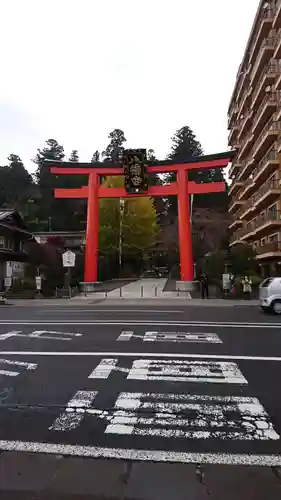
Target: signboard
point(226, 281)
point(68, 259)
point(38, 281)
point(8, 281)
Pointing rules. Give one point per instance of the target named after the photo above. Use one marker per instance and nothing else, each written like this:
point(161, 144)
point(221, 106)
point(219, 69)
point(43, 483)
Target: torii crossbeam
point(182, 188)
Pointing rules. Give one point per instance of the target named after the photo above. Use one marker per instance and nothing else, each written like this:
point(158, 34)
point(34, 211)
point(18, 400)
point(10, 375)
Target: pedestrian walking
point(247, 287)
point(204, 280)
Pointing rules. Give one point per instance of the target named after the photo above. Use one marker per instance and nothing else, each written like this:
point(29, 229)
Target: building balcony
point(248, 186)
point(232, 136)
point(266, 138)
point(233, 112)
point(235, 168)
point(245, 124)
point(269, 250)
point(267, 194)
point(266, 167)
point(234, 187)
point(246, 99)
point(266, 79)
point(270, 221)
point(276, 23)
point(246, 146)
point(235, 220)
point(246, 171)
point(277, 51)
point(248, 208)
point(266, 51)
point(235, 238)
point(235, 203)
point(265, 110)
point(264, 24)
point(247, 232)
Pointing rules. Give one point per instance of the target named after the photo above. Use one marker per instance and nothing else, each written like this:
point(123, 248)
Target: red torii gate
point(182, 188)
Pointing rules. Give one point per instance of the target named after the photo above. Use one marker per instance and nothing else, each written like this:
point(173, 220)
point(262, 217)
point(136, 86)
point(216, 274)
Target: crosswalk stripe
point(70, 419)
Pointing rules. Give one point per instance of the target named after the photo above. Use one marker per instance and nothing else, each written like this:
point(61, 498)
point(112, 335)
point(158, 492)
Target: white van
point(270, 295)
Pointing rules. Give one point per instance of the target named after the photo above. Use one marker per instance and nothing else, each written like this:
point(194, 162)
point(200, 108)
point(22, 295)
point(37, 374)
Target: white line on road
point(105, 310)
point(8, 373)
point(142, 455)
point(242, 419)
point(173, 371)
point(198, 338)
point(205, 324)
point(141, 355)
point(70, 420)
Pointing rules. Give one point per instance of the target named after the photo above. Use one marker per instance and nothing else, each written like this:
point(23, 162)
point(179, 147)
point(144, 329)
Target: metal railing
point(268, 186)
point(271, 247)
point(271, 125)
point(268, 216)
point(269, 98)
point(271, 67)
point(267, 42)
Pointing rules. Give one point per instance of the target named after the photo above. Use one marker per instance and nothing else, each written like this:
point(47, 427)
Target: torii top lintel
point(220, 160)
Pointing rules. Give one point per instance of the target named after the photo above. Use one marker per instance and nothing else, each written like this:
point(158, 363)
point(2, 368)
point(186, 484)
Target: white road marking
point(105, 310)
point(40, 334)
point(8, 373)
point(196, 337)
point(69, 419)
point(125, 336)
point(14, 333)
point(141, 454)
point(144, 414)
point(28, 366)
point(203, 324)
point(173, 371)
point(186, 371)
point(142, 355)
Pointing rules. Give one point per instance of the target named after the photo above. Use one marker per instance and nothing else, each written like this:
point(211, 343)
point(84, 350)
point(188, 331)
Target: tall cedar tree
point(114, 151)
point(59, 214)
point(74, 156)
point(95, 157)
point(185, 146)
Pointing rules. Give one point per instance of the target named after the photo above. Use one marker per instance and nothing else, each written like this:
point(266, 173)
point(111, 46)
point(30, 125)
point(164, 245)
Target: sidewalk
point(101, 301)
point(27, 476)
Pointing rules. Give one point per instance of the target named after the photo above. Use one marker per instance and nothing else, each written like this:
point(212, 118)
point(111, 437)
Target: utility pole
point(121, 220)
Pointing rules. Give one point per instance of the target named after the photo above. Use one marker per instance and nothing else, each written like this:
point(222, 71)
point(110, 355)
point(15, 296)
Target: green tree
point(114, 151)
point(140, 229)
point(186, 146)
point(74, 156)
point(59, 215)
point(95, 157)
point(16, 184)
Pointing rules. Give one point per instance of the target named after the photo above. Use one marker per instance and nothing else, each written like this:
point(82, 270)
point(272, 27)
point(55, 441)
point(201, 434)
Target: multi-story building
point(254, 121)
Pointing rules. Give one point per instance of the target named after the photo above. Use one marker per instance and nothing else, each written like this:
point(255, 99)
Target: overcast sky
point(73, 71)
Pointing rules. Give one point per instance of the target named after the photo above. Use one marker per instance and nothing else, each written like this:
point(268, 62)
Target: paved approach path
point(146, 288)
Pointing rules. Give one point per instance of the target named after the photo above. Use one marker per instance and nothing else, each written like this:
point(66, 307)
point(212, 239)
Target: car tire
point(266, 310)
point(276, 307)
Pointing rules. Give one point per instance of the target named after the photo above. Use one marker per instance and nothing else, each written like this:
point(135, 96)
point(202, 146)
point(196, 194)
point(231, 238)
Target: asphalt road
point(198, 388)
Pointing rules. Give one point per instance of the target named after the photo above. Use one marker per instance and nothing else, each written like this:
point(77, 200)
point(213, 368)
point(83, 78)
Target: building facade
point(254, 122)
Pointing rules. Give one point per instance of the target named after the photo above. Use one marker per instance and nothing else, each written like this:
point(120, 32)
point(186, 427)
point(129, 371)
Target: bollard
point(141, 291)
point(178, 292)
point(105, 294)
point(120, 291)
point(155, 291)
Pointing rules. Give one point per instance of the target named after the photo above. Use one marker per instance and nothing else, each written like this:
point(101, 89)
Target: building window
point(263, 242)
point(272, 212)
point(2, 242)
point(273, 238)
